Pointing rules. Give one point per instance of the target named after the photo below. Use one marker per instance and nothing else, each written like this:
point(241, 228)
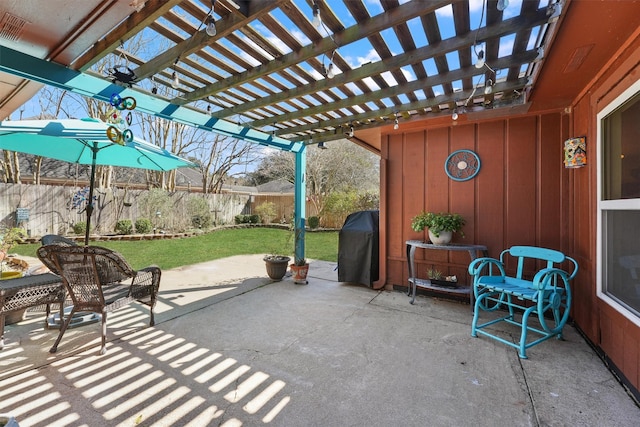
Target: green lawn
point(171, 253)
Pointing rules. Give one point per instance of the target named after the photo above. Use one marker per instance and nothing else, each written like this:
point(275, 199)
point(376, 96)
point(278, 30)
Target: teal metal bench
point(547, 295)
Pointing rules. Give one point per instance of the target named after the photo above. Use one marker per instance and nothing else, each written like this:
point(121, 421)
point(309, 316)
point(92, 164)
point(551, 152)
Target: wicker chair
point(54, 239)
point(99, 280)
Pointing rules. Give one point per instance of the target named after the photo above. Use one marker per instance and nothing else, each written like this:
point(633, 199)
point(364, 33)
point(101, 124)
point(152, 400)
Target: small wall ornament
point(575, 152)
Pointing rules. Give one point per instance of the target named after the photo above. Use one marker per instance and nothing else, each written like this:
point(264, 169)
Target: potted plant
point(299, 270)
point(300, 266)
point(276, 265)
point(8, 239)
point(441, 225)
point(437, 278)
point(275, 262)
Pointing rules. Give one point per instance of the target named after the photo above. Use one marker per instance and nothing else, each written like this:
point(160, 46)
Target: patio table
point(29, 291)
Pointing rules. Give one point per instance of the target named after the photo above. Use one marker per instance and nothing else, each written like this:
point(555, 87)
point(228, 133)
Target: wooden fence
point(45, 209)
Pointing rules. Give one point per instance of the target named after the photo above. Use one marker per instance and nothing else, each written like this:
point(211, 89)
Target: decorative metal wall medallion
point(462, 165)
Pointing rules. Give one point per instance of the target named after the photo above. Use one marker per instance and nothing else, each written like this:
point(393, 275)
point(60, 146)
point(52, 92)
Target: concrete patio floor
point(232, 348)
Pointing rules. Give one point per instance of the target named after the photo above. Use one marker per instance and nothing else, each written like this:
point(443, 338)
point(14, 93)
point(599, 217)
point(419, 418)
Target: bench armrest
point(546, 277)
point(575, 267)
point(477, 265)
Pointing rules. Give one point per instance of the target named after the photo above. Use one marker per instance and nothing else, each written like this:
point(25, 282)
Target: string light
point(330, 72)
point(211, 27)
point(480, 62)
point(211, 22)
point(396, 125)
point(454, 116)
point(175, 82)
point(488, 87)
point(502, 5)
point(317, 21)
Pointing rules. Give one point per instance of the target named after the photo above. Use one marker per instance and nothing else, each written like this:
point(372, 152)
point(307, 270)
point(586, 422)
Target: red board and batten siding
point(514, 200)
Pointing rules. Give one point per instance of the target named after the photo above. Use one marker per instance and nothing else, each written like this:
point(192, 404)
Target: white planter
point(444, 238)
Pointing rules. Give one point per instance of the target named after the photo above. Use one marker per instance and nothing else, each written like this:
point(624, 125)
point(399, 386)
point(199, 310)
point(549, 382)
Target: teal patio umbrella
point(84, 141)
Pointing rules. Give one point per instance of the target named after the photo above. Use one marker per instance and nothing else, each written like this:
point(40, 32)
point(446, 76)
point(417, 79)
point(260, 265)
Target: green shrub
point(313, 222)
point(199, 211)
point(247, 219)
point(267, 211)
point(156, 204)
point(124, 226)
point(143, 226)
point(80, 227)
point(201, 221)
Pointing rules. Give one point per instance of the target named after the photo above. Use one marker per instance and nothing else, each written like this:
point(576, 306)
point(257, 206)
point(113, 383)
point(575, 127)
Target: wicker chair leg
point(63, 328)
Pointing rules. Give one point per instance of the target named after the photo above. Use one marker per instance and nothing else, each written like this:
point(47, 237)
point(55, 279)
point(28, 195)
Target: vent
point(577, 58)
point(11, 27)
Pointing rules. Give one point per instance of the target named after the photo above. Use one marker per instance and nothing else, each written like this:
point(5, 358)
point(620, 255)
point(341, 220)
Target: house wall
point(516, 199)
point(612, 333)
point(523, 195)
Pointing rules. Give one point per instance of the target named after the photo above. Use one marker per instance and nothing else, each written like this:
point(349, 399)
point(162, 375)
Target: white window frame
point(619, 204)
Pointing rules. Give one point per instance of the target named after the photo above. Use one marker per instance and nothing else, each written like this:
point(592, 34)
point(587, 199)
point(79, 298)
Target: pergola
point(282, 73)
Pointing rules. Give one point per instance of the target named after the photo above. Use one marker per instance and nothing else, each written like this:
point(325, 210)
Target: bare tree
point(218, 156)
point(342, 166)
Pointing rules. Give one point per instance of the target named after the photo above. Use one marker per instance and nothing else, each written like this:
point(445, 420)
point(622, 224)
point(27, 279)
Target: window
point(619, 203)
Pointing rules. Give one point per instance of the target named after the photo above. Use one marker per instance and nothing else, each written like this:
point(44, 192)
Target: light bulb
point(317, 21)
point(502, 5)
point(454, 116)
point(488, 87)
point(330, 72)
point(480, 61)
point(175, 83)
point(211, 26)
point(396, 125)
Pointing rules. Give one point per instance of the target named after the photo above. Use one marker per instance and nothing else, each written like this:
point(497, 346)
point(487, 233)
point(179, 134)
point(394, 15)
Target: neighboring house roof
point(276, 186)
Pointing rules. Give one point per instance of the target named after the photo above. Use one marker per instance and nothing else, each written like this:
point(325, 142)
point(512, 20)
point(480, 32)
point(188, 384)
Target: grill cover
point(358, 258)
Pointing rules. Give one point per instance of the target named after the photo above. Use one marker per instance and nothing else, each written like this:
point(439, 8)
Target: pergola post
point(300, 202)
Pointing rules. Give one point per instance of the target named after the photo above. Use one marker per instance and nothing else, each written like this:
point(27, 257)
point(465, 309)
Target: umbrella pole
point(92, 181)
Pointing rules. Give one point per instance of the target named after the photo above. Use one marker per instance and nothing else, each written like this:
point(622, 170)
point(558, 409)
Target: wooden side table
point(414, 282)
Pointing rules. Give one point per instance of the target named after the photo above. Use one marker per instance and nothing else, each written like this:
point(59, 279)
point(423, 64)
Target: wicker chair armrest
point(146, 283)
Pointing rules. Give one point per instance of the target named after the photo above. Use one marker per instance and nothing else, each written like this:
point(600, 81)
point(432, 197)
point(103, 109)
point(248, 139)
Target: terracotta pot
point(299, 273)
